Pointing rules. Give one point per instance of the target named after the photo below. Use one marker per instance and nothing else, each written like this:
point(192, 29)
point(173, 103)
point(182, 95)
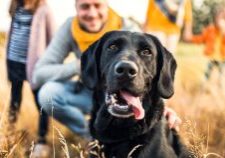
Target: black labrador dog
point(130, 73)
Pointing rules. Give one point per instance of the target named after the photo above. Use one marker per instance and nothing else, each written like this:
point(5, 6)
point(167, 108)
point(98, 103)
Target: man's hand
point(173, 120)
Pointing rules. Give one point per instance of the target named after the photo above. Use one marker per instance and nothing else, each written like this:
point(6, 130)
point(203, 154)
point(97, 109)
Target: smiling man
point(92, 17)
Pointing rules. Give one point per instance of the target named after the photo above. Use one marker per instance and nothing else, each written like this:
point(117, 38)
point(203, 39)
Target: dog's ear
point(166, 75)
point(90, 60)
point(166, 70)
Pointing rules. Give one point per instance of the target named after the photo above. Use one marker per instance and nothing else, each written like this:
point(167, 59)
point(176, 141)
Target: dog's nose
point(126, 69)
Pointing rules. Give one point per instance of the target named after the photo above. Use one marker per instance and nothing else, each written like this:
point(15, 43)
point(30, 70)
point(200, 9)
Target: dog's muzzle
point(124, 105)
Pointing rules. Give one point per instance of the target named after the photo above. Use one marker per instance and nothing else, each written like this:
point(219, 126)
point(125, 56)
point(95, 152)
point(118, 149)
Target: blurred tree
point(202, 15)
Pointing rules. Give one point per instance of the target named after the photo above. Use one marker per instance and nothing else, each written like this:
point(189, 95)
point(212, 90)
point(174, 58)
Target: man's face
point(92, 14)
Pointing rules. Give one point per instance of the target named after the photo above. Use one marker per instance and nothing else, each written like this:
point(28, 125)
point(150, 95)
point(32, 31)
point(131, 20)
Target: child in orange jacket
point(213, 36)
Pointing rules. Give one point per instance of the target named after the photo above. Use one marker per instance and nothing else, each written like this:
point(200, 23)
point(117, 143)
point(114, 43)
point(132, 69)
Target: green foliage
point(203, 15)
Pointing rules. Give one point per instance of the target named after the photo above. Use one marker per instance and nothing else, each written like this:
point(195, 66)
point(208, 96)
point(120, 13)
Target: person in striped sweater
point(32, 28)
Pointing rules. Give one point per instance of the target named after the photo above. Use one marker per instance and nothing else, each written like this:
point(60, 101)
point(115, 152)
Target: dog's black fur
point(153, 80)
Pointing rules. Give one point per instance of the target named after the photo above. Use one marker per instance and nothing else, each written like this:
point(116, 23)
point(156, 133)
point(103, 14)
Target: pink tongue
point(138, 110)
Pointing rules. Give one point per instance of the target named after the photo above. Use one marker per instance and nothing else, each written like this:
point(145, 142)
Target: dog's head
point(128, 67)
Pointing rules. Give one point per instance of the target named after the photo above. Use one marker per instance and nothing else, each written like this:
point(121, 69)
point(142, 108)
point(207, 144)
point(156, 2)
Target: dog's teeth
point(121, 107)
point(124, 107)
point(113, 100)
point(117, 105)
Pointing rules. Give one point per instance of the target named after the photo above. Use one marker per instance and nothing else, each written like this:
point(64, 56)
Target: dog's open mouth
point(123, 105)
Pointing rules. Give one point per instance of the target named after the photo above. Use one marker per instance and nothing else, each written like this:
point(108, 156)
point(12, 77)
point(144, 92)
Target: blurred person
point(213, 37)
point(165, 19)
point(60, 96)
point(31, 30)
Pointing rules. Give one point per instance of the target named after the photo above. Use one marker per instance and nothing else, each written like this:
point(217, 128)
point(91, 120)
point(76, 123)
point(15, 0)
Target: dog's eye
point(146, 52)
point(112, 47)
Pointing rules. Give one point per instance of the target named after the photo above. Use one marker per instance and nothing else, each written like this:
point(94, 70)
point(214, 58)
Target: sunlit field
point(200, 104)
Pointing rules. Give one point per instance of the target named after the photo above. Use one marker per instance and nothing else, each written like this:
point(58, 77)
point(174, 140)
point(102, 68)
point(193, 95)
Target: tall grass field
point(199, 103)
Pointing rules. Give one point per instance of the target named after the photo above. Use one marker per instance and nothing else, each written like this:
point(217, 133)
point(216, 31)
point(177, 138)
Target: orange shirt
point(214, 42)
point(157, 21)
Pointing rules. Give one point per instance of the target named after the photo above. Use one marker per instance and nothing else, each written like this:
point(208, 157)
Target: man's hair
point(17, 3)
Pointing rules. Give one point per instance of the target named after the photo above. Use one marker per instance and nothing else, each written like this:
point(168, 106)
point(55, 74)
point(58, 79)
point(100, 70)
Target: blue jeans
point(59, 100)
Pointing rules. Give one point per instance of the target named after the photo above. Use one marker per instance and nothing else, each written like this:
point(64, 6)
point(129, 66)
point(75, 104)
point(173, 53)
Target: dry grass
point(201, 106)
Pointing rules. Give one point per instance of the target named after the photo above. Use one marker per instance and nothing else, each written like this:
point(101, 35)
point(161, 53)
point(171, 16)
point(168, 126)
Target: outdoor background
point(201, 105)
